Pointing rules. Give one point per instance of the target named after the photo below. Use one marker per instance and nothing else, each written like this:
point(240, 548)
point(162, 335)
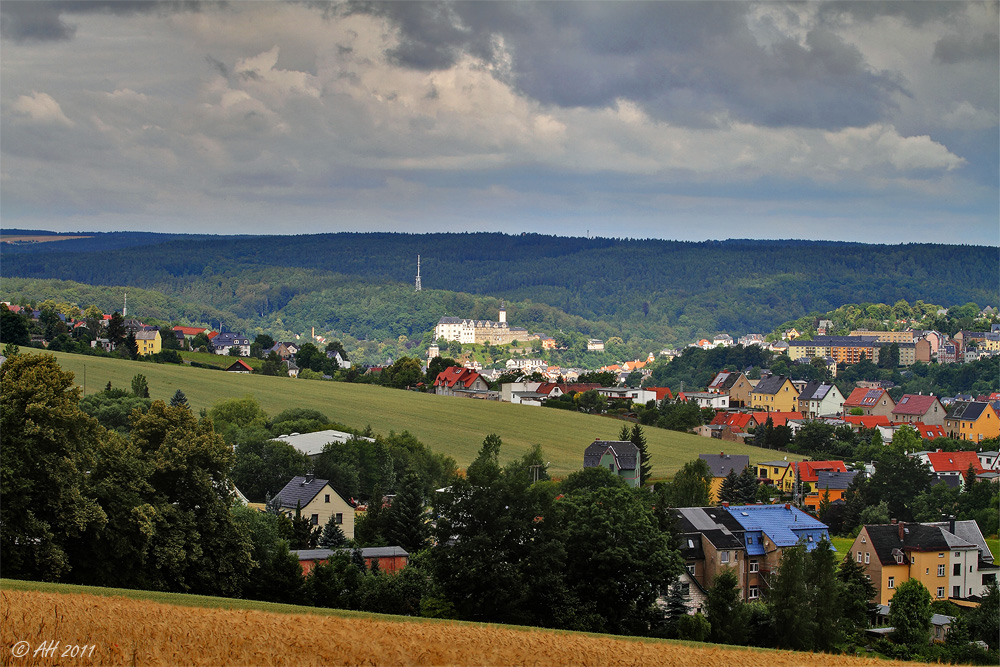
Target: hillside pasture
point(452, 426)
point(119, 630)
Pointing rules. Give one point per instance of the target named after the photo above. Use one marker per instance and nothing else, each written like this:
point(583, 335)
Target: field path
point(136, 632)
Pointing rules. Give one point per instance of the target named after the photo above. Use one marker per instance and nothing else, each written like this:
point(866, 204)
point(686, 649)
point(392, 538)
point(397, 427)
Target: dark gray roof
point(712, 523)
point(885, 539)
point(953, 481)
point(624, 451)
point(770, 385)
point(366, 552)
point(299, 492)
point(721, 464)
point(968, 410)
point(815, 391)
point(826, 479)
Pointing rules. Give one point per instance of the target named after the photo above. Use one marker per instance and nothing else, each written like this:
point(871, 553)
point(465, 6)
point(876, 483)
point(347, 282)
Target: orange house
point(972, 420)
point(388, 559)
point(829, 486)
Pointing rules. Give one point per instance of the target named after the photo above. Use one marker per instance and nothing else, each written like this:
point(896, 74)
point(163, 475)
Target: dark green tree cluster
point(740, 489)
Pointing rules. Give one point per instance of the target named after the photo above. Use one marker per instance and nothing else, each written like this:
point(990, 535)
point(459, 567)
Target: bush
point(694, 628)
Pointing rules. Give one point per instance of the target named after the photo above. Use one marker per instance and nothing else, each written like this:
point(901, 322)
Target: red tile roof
point(737, 421)
point(807, 469)
point(955, 461)
point(456, 375)
point(777, 418)
point(914, 404)
point(867, 421)
point(929, 431)
point(863, 398)
point(189, 331)
point(240, 364)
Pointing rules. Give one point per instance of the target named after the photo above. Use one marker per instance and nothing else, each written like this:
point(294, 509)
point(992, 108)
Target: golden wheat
point(132, 632)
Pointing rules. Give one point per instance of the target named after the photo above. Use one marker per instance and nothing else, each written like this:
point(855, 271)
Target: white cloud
point(41, 108)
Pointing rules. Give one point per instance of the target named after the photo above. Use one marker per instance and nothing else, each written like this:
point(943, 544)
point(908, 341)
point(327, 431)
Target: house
point(913, 408)
point(828, 487)
point(388, 559)
point(621, 457)
point(767, 531)
point(940, 624)
point(972, 420)
point(705, 399)
point(990, 460)
point(710, 542)
point(820, 398)
point(859, 422)
point(946, 564)
point(595, 345)
point(339, 359)
point(284, 350)
point(870, 401)
point(548, 343)
point(775, 393)
point(317, 501)
point(740, 422)
point(187, 333)
point(148, 342)
point(458, 381)
point(224, 342)
point(240, 366)
point(928, 432)
point(719, 465)
point(778, 418)
point(780, 474)
point(952, 463)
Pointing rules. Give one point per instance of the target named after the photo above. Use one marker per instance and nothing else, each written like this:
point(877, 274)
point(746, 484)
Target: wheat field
point(124, 631)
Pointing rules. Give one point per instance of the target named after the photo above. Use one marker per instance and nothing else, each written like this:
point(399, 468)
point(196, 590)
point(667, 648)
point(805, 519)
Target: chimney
point(901, 525)
point(726, 504)
point(893, 521)
point(309, 478)
point(951, 524)
point(788, 506)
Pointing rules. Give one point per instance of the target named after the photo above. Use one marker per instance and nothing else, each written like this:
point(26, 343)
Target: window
point(723, 556)
point(690, 568)
point(940, 591)
point(957, 570)
point(686, 589)
point(956, 591)
point(868, 558)
point(891, 583)
point(315, 519)
point(326, 498)
point(927, 570)
point(338, 518)
point(864, 540)
point(940, 570)
point(941, 555)
point(754, 593)
point(611, 467)
point(754, 566)
point(859, 556)
point(809, 537)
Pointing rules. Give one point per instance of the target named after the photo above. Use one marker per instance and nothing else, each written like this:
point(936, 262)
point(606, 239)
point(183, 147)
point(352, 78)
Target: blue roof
point(784, 526)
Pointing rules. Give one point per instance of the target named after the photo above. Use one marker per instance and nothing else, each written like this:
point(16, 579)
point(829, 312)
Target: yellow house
point(972, 420)
point(944, 563)
point(775, 394)
point(780, 473)
point(148, 342)
point(318, 502)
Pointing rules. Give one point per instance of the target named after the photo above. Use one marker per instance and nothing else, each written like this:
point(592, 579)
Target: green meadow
point(452, 426)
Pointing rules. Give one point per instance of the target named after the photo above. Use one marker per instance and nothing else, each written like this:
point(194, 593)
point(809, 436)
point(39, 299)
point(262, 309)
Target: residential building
point(710, 542)
point(913, 408)
point(148, 342)
point(820, 398)
point(828, 487)
point(240, 366)
point(767, 531)
point(779, 418)
point(224, 342)
point(952, 463)
point(187, 333)
point(974, 421)
point(886, 336)
point(595, 345)
point(458, 381)
point(313, 444)
point(621, 457)
point(871, 401)
point(775, 393)
point(779, 474)
point(548, 343)
point(740, 422)
point(719, 465)
point(989, 460)
point(317, 501)
point(705, 399)
point(947, 565)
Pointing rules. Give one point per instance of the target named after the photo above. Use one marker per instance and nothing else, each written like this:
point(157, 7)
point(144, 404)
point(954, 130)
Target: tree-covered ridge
point(646, 290)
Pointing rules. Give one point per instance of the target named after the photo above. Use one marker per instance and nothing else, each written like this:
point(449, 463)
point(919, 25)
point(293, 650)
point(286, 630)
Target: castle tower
point(417, 284)
point(503, 313)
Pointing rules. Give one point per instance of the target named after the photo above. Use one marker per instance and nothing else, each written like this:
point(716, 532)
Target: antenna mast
point(417, 283)
point(125, 306)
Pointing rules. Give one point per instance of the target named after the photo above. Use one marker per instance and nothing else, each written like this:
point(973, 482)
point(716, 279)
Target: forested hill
point(654, 290)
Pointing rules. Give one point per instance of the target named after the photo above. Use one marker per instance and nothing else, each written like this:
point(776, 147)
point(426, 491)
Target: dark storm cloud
point(25, 20)
point(957, 48)
point(688, 63)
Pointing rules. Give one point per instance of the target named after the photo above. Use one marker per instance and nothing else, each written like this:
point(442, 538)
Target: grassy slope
point(452, 426)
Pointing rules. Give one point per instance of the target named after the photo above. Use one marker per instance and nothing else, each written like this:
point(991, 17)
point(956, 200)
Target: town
point(905, 485)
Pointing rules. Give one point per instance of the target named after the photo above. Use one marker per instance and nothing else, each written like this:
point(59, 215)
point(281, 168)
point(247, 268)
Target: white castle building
point(478, 332)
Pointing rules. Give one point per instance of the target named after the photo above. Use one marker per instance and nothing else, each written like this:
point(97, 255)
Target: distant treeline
point(648, 292)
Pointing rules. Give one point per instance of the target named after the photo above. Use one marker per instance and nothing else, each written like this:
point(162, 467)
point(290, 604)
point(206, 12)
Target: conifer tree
point(405, 523)
point(179, 400)
point(729, 492)
point(332, 537)
point(638, 439)
point(747, 485)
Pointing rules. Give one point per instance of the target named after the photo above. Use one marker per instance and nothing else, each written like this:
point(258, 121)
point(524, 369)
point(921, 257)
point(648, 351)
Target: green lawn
point(452, 426)
point(994, 544)
point(842, 545)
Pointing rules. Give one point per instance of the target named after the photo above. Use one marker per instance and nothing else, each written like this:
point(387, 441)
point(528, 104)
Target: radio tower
point(125, 306)
point(417, 283)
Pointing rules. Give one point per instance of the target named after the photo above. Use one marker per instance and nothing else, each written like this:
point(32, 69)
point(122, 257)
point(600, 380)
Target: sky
point(865, 121)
